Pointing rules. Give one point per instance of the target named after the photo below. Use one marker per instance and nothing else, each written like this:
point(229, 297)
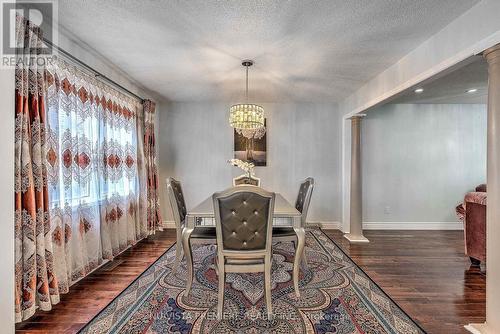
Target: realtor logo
point(41, 14)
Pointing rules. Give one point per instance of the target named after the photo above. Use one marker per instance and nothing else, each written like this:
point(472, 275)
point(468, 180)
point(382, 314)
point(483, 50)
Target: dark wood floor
point(425, 272)
point(87, 297)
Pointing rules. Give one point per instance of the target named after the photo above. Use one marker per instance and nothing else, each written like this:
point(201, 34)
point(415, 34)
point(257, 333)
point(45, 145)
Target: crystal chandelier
point(246, 115)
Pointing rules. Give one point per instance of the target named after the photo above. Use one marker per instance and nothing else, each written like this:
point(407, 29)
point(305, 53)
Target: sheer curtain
point(82, 177)
point(93, 175)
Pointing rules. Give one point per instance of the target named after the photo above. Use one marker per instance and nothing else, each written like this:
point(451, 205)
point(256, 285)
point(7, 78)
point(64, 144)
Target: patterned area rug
point(336, 297)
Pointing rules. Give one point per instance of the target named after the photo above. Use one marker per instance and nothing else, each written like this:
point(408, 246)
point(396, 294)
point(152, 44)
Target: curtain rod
point(88, 67)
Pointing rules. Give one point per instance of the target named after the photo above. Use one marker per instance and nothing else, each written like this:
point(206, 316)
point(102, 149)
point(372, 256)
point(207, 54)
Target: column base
point(356, 239)
point(479, 329)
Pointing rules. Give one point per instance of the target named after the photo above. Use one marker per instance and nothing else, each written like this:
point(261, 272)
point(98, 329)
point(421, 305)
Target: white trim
point(337, 225)
point(356, 239)
point(7, 252)
point(472, 329)
point(483, 328)
point(168, 224)
point(457, 226)
point(326, 225)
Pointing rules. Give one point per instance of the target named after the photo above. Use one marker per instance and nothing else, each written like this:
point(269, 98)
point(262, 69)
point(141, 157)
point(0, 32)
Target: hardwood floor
point(90, 295)
point(425, 272)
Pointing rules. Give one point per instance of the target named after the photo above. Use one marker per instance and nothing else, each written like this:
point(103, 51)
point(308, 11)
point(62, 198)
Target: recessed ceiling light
point(472, 90)
point(419, 90)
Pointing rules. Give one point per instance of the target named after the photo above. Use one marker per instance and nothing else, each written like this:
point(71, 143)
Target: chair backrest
point(246, 180)
point(304, 197)
point(243, 217)
point(176, 198)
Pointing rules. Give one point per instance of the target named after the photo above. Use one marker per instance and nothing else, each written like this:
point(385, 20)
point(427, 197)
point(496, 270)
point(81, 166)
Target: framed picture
point(251, 145)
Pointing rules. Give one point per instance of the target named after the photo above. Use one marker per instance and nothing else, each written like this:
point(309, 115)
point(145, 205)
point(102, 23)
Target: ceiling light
point(246, 115)
point(472, 90)
point(419, 90)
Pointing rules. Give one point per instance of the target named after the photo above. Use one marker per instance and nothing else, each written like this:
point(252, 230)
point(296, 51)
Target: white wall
point(303, 140)
point(469, 34)
point(420, 159)
point(85, 53)
point(7, 89)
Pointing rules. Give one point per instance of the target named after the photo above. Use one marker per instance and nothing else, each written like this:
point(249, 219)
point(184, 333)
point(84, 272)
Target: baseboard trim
point(327, 225)
point(454, 226)
point(478, 328)
point(356, 239)
point(168, 224)
point(472, 329)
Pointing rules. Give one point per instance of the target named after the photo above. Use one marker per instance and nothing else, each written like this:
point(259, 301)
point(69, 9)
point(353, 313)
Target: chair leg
point(301, 236)
point(222, 281)
point(186, 245)
point(178, 257)
point(216, 265)
point(304, 257)
point(268, 284)
point(294, 243)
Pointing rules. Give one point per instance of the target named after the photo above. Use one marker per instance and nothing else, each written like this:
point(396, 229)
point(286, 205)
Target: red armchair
point(473, 214)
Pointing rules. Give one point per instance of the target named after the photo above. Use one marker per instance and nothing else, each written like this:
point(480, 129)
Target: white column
point(492, 324)
point(355, 234)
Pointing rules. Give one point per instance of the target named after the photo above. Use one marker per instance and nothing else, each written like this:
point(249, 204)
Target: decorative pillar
point(492, 324)
point(355, 234)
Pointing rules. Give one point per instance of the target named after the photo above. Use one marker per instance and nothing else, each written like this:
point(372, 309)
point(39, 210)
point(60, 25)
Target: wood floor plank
point(90, 295)
point(425, 272)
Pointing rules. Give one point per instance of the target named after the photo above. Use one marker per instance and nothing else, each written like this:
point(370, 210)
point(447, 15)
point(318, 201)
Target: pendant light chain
point(246, 116)
point(246, 94)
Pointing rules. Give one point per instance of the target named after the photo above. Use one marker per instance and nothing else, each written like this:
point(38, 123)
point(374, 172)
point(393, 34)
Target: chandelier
point(246, 115)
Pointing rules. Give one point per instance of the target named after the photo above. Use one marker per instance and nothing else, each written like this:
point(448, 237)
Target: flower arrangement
point(247, 167)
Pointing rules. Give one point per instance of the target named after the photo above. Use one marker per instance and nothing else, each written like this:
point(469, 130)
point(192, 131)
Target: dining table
point(204, 212)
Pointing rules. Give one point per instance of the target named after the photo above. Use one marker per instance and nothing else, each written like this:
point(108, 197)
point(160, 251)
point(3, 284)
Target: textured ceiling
point(452, 87)
point(303, 50)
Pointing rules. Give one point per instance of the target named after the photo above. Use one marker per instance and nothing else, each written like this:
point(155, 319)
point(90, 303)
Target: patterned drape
point(93, 175)
point(153, 209)
point(81, 176)
point(36, 283)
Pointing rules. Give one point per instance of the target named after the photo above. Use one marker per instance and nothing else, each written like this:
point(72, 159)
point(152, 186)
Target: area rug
point(336, 297)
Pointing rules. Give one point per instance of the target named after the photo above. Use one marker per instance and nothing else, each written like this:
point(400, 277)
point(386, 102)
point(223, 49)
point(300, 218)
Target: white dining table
point(282, 209)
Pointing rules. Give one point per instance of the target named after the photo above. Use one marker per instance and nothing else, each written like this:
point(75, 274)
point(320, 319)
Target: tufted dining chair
point(244, 216)
point(287, 233)
point(199, 235)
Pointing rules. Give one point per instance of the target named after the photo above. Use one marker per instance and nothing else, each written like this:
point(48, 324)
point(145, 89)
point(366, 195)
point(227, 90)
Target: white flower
point(247, 167)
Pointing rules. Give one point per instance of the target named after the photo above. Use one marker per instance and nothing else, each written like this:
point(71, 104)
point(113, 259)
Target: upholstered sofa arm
point(475, 226)
point(481, 188)
point(475, 197)
point(472, 197)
